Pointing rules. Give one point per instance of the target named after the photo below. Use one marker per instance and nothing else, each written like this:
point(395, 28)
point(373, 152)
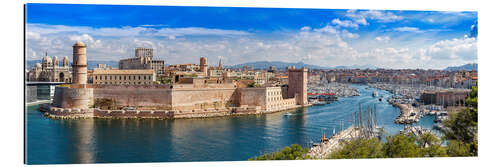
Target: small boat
point(380, 99)
point(374, 93)
point(287, 114)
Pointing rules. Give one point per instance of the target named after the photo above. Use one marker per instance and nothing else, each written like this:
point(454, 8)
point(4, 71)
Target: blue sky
point(326, 37)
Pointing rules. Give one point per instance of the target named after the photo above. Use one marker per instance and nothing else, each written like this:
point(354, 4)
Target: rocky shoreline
point(62, 113)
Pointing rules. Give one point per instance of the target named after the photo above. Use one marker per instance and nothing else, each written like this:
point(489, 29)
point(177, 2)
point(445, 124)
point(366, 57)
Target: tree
point(430, 146)
point(461, 128)
point(359, 148)
point(458, 149)
point(288, 153)
point(401, 146)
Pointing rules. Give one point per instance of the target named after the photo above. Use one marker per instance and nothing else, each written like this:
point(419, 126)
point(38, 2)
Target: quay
point(331, 144)
point(408, 114)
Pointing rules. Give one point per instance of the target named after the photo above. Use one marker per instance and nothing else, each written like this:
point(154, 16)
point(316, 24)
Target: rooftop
point(117, 71)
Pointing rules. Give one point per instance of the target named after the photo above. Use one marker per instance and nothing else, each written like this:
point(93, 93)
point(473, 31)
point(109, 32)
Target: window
point(120, 77)
point(129, 77)
point(105, 77)
point(134, 77)
point(100, 76)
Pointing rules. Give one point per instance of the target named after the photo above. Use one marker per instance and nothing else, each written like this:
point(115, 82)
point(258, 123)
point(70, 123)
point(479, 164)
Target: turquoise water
point(54, 141)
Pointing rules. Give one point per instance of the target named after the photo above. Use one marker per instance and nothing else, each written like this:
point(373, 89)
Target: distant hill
point(91, 63)
point(278, 64)
point(366, 66)
point(466, 67)
point(284, 65)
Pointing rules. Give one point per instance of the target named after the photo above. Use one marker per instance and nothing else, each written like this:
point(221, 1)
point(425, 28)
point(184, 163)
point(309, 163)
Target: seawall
point(68, 113)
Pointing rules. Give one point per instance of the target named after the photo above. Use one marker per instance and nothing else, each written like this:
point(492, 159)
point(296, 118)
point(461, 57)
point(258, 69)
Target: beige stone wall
point(136, 95)
point(203, 98)
point(252, 97)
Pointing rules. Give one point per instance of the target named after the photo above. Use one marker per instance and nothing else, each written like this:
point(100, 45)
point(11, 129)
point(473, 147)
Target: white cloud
point(305, 28)
point(382, 38)
point(454, 49)
point(408, 29)
point(350, 35)
point(323, 46)
point(345, 23)
point(32, 35)
point(361, 17)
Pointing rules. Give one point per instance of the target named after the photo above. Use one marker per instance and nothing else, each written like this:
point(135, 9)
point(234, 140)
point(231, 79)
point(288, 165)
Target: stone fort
point(189, 97)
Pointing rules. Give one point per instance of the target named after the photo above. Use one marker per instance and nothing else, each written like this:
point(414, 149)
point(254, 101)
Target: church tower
point(220, 63)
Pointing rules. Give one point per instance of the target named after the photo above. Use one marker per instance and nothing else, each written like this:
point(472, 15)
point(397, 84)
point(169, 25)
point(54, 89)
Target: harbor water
point(56, 141)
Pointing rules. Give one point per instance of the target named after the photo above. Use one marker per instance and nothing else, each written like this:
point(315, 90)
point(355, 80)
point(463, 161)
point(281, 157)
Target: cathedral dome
point(47, 59)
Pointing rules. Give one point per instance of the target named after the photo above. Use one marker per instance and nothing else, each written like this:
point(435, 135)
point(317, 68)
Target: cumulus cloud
point(361, 17)
point(345, 23)
point(305, 28)
point(325, 46)
point(350, 35)
point(382, 38)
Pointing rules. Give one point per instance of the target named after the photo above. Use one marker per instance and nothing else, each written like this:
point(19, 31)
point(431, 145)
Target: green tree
point(459, 149)
point(430, 146)
point(359, 148)
point(401, 146)
point(461, 127)
point(288, 153)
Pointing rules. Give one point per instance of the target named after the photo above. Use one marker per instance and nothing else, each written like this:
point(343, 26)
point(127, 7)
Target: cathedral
point(50, 71)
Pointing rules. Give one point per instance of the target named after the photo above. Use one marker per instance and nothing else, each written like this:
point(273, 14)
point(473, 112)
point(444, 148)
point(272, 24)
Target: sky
point(325, 37)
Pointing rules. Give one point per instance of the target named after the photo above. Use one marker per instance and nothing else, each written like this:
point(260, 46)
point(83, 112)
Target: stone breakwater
point(333, 143)
point(408, 114)
point(68, 113)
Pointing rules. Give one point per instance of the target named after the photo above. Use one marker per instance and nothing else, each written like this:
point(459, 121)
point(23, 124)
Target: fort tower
point(204, 65)
point(79, 63)
point(297, 85)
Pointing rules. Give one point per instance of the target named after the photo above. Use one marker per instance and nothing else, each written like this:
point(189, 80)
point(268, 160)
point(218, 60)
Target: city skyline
point(323, 37)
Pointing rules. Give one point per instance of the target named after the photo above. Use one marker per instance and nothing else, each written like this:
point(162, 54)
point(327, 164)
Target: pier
point(326, 147)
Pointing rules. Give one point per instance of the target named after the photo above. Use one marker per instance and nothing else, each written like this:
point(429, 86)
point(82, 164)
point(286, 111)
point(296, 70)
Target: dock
point(323, 149)
point(408, 114)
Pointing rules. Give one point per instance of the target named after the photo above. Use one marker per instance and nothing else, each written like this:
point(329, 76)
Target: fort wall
point(68, 97)
point(159, 96)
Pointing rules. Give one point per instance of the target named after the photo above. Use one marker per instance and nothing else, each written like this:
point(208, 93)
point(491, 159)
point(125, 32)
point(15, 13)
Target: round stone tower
point(204, 65)
point(79, 63)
